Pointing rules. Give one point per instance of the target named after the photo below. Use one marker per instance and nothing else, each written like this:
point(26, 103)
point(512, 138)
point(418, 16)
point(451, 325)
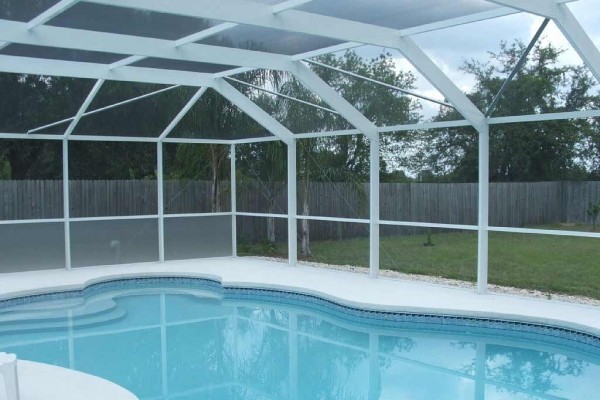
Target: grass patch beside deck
point(554, 264)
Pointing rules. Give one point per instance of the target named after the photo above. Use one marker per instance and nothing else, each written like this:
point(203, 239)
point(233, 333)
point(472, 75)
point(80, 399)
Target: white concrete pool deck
point(342, 287)
point(46, 382)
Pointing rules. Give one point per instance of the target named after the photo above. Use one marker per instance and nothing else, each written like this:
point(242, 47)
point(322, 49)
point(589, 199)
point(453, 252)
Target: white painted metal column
point(374, 209)
point(161, 205)
point(233, 202)
point(66, 199)
point(292, 204)
point(483, 213)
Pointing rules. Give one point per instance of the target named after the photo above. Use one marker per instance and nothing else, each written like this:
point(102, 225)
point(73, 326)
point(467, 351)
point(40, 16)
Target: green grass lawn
point(553, 264)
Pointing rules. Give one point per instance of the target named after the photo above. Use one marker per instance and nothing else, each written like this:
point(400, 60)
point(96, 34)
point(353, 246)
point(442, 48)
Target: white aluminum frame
point(280, 16)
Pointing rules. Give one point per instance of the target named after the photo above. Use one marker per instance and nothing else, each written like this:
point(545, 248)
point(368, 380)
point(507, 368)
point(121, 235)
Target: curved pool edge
point(39, 381)
point(341, 288)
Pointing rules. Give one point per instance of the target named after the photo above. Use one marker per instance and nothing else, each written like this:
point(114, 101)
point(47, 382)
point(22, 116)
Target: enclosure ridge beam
point(182, 113)
point(375, 81)
point(84, 107)
point(567, 23)
point(78, 39)
point(285, 96)
point(522, 60)
point(253, 111)
point(52, 12)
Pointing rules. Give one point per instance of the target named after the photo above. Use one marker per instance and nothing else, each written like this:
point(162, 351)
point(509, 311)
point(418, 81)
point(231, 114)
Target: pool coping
point(339, 287)
point(39, 381)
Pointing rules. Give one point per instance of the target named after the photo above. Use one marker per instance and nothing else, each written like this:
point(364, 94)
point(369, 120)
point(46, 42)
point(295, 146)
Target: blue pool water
point(186, 339)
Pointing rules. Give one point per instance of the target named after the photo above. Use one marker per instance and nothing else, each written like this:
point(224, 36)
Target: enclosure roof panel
point(129, 21)
point(269, 40)
point(24, 10)
point(262, 26)
point(397, 14)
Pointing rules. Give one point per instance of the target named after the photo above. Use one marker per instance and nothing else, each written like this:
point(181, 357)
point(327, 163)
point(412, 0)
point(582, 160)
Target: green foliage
point(551, 150)
point(594, 212)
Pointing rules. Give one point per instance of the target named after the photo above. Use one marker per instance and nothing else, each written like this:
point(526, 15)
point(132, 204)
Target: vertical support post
point(160, 201)
point(66, 199)
point(483, 214)
point(374, 208)
point(232, 156)
point(292, 204)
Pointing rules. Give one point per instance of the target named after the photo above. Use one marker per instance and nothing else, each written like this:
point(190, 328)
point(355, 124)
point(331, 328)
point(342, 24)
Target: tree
point(518, 152)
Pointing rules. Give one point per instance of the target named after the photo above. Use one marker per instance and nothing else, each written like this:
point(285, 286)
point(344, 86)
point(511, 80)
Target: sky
point(450, 47)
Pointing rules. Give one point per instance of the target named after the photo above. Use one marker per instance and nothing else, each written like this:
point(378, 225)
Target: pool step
point(30, 321)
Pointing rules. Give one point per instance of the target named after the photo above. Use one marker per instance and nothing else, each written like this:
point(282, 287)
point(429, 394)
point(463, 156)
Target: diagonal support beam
point(312, 81)
point(253, 111)
point(441, 82)
point(288, 5)
point(84, 107)
point(205, 33)
point(522, 60)
point(285, 96)
point(567, 23)
point(52, 12)
point(182, 113)
point(387, 85)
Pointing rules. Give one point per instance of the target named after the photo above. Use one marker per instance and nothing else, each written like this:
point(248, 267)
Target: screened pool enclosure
point(138, 72)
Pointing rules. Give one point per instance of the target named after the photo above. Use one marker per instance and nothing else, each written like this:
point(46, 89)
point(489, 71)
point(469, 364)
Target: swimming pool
point(180, 338)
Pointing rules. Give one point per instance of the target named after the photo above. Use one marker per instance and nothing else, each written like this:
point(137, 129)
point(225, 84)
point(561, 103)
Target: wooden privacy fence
point(511, 204)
